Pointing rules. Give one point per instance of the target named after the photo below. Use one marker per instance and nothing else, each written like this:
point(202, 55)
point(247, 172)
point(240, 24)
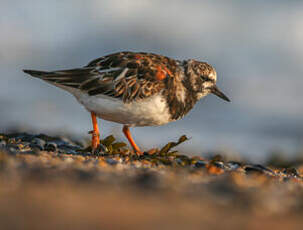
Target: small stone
point(12, 148)
point(51, 146)
point(111, 161)
point(212, 169)
point(35, 149)
point(291, 172)
point(2, 144)
point(200, 164)
point(218, 164)
point(37, 143)
point(258, 169)
point(232, 165)
point(68, 149)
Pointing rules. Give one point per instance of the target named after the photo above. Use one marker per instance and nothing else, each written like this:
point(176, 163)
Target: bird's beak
point(215, 90)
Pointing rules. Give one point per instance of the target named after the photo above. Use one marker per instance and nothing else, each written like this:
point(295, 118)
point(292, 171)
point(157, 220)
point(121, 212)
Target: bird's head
point(203, 78)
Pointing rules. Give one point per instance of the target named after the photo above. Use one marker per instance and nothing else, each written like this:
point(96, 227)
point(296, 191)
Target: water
point(256, 48)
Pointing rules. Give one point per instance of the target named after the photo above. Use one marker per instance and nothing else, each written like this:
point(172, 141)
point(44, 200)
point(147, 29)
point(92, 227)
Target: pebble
point(111, 161)
point(200, 164)
point(38, 143)
point(232, 165)
point(2, 144)
point(291, 171)
point(12, 149)
point(256, 168)
point(51, 146)
point(219, 164)
point(67, 150)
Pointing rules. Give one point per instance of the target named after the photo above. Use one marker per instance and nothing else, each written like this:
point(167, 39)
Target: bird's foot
point(96, 146)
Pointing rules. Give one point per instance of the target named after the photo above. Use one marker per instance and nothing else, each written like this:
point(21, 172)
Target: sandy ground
point(52, 183)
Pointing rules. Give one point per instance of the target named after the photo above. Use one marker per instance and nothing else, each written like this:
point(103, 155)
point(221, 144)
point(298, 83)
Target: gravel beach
point(56, 183)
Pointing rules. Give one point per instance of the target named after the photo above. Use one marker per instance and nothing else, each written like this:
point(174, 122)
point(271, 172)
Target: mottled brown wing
point(143, 75)
point(126, 75)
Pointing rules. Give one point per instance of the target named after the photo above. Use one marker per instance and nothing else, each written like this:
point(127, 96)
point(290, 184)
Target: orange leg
point(131, 140)
point(95, 132)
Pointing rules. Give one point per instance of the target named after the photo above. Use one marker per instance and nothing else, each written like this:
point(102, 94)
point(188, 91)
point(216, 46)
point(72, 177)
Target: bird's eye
point(205, 78)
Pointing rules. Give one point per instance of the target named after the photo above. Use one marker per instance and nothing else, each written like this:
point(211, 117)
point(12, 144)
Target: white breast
point(151, 111)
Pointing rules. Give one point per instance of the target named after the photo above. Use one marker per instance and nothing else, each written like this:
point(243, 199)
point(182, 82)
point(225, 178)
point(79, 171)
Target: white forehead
point(213, 75)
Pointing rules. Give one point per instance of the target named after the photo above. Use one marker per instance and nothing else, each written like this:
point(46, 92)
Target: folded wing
point(126, 75)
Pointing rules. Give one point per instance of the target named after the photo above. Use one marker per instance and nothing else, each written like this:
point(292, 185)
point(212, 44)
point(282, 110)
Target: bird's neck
point(182, 96)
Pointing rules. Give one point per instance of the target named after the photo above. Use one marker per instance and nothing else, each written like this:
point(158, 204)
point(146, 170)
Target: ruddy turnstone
point(136, 89)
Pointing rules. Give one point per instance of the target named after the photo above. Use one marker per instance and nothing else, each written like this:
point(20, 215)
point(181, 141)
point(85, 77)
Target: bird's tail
point(67, 78)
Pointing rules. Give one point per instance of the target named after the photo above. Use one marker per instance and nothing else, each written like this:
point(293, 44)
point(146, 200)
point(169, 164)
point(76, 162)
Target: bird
point(135, 89)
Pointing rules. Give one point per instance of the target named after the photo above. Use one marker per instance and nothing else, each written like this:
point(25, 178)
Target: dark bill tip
point(215, 90)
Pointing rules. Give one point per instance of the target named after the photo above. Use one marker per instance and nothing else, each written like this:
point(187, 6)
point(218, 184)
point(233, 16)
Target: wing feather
point(125, 75)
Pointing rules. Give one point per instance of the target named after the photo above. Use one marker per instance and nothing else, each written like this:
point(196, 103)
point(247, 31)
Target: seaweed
point(166, 149)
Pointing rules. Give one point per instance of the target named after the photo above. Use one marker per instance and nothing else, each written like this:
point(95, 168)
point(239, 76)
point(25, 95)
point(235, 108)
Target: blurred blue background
point(256, 47)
